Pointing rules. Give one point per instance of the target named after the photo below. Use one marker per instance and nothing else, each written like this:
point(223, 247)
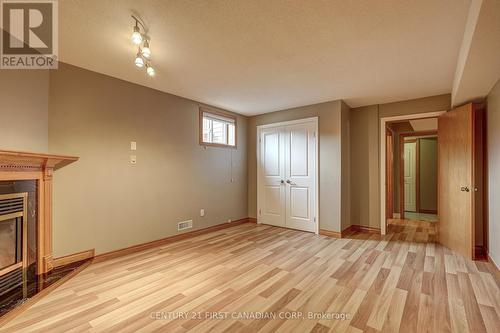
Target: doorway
point(287, 181)
point(462, 225)
point(418, 181)
point(388, 194)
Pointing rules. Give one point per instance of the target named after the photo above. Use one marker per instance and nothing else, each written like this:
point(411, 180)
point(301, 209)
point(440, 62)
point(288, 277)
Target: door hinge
point(315, 219)
point(260, 212)
point(314, 134)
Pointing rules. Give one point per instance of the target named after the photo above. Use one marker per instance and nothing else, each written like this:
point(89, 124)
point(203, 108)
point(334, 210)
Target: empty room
point(249, 166)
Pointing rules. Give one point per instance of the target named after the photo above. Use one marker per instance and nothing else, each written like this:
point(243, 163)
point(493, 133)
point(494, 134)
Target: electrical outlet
point(229, 221)
point(133, 159)
point(202, 212)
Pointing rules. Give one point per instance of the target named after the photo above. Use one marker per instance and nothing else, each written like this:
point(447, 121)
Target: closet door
point(271, 175)
point(300, 174)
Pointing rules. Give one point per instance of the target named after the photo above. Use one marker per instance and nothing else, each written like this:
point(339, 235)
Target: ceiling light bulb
point(139, 62)
point(136, 36)
point(150, 70)
point(146, 51)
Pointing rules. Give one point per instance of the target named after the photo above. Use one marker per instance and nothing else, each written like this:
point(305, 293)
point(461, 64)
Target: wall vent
point(185, 225)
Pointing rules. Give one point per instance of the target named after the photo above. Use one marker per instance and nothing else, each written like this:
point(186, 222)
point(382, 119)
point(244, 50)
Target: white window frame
point(218, 113)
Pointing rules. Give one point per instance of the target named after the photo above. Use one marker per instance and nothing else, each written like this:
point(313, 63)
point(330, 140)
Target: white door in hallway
point(410, 164)
point(287, 175)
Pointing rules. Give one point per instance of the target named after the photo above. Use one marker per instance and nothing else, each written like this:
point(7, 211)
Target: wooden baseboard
point(329, 233)
point(252, 220)
point(72, 258)
point(362, 228)
point(145, 246)
point(491, 261)
point(349, 230)
point(32, 300)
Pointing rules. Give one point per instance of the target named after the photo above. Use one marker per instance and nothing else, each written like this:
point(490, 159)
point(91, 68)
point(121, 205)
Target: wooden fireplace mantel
point(16, 165)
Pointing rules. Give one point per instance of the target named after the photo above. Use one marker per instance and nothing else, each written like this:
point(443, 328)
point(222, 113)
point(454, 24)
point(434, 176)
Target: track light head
point(136, 35)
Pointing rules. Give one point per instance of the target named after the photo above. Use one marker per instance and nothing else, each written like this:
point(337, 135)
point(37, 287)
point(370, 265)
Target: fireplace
point(26, 265)
point(13, 240)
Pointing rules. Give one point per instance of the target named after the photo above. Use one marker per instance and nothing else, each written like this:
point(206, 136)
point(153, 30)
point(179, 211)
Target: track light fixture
point(146, 51)
point(139, 38)
point(150, 70)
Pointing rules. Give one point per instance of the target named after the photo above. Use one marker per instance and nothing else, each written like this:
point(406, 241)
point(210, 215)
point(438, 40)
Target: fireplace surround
point(38, 168)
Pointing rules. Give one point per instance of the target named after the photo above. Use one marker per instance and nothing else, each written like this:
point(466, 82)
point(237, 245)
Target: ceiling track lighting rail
point(142, 40)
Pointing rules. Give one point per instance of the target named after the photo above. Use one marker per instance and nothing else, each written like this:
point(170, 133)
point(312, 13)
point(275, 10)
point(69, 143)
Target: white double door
point(286, 185)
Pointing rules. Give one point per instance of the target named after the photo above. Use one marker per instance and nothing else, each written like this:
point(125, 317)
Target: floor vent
point(185, 225)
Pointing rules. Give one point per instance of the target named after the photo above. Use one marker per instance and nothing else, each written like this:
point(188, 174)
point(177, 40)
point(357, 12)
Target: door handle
point(289, 182)
point(282, 181)
point(465, 189)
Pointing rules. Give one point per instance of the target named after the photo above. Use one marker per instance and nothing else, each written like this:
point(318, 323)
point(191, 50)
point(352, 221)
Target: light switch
point(202, 212)
point(133, 145)
point(133, 159)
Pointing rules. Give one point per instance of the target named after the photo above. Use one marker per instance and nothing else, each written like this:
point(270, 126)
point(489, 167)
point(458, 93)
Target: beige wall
point(24, 110)
point(493, 144)
point(365, 152)
point(330, 137)
point(364, 166)
point(428, 173)
point(104, 202)
point(345, 166)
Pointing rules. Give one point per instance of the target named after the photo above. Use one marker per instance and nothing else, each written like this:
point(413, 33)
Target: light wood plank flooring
point(400, 282)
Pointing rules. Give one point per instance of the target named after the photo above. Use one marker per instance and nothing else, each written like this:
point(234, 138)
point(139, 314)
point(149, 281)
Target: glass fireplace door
point(13, 240)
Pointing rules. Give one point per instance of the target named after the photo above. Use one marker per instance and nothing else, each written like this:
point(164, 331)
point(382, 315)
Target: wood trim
point(334, 234)
point(360, 228)
point(207, 109)
point(490, 260)
point(145, 246)
point(72, 258)
point(252, 220)
point(389, 174)
point(26, 161)
point(11, 268)
point(485, 183)
point(428, 211)
point(37, 297)
point(350, 230)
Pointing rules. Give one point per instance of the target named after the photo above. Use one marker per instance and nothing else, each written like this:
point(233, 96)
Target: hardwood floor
point(364, 283)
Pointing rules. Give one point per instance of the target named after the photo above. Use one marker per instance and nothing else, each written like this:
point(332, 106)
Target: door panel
point(300, 168)
point(298, 151)
point(299, 202)
point(455, 150)
point(271, 190)
point(410, 150)
point(271, 148)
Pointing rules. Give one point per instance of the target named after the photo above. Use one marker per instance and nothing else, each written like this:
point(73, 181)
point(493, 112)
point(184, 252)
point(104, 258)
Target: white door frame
point(316, 144)
point(383, 122)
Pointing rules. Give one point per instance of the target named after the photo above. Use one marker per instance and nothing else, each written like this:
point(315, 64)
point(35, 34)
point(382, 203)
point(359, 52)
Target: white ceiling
point(257, 56)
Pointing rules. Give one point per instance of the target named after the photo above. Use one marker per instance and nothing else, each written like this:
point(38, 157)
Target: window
point(217, 128)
